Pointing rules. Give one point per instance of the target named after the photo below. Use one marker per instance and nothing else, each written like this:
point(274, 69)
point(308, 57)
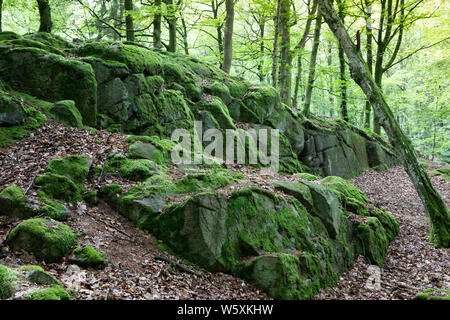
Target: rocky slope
point(289, 235)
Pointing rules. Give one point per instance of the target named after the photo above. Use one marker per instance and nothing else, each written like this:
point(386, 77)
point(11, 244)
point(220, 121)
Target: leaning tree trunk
point(312, 65)
point(45, 16)
point(228, 36)
point(369, 55)
point(129, 20)
point(436, 208)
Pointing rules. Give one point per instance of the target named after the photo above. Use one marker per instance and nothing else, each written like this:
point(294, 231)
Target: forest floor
point(139, 268)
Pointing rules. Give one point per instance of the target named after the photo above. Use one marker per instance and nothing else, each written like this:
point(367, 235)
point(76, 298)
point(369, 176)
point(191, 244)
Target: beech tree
point(285, 73)
point(228, 37)
point(45, 16)
point(128, 5)
point(434, 205)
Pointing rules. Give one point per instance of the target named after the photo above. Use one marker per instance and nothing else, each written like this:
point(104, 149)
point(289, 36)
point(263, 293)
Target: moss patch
point(54, 293)
point(7, 279)
point(88, 257)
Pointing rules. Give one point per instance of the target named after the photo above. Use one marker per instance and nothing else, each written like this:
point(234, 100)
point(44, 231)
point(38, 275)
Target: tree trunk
point(185, 36)
point(129, 20)
point(436, 208)
point(228, 37)
point(215, 9)
point(330, 78)
point(1, 5)
point(312, 65)
point(276, 21)
point(262, 25)
point(114, 16)
point(369, 55)
point(45, 16)
point(342, 79)
point(285, 53)
point(172, 21)
point(299, 48)
point(157, 26)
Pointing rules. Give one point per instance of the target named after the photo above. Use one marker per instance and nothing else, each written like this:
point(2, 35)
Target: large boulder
point(46, 239)
point(54, 77)
point(13, 203)
point(66, 112)
point(11, 110)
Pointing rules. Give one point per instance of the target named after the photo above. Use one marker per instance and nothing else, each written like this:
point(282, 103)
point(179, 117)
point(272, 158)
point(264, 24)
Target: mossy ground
point(89, 257)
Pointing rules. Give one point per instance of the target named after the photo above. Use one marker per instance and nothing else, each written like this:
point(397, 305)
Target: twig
point(178, 265)
point(108, 224)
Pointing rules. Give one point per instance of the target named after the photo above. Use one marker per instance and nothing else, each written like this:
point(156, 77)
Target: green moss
point(15, 194)
point(7, 279)
point(51, 40)
point(32, 44)
point(66, 113)
point(31, 268)
point(90, 197)
point(88, 257)
point(351, 198)
point(41, 277)
point(373, 241)
point(60, 187)
point(307, 176)
point(9, 35)
point(388, 221)
point(137, 169)
point(74, 167)
point(47, 239)
point(54, 293)
point(434, 294)
point(138, 59)
point(110, 193)
point(441, 172)
point(218, 110)
point(34, 120)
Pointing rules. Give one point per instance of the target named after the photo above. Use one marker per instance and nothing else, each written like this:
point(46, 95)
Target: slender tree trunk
point(157, 26)
point(330, 78)
point(276, 21)
point(342, 78)
point(185, 36)
point(285, 53)
point(45, 16)
point(369, 54)
point(312, 65)
point(299, 48)
point(436, 208)
point(114, 16)
point(100, 29)
point(129, 20)
point(262, 24)
point(172, 21)
point(215, 10)
point(1, 10)
point(228, 37)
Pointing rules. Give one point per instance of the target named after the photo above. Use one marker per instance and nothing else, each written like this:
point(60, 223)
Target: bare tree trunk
point(114, 16)
point(129, 20)
point(185, 36)
point(312, 65)
point(436, 208)
point(45, 16)
point(342, 78)
point(215, 10)
point(276, 21)
point(285, 53)
point(228, 37)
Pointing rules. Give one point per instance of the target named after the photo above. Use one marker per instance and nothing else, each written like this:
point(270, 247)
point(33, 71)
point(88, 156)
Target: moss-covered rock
point(11, 110)
point(74, 167)
point(88, 257)
point(56, 292)
point(13, 203)
point(10, 134)
point(134, 169)
point(218, 110)
point(47, 239)
point(60, 187)
point(110, 194)
point(66, 113)
point(307, 176)
point(372, 241)
point(40, 277)
point(7, 279)
point(55, 77)
point(351, 198)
